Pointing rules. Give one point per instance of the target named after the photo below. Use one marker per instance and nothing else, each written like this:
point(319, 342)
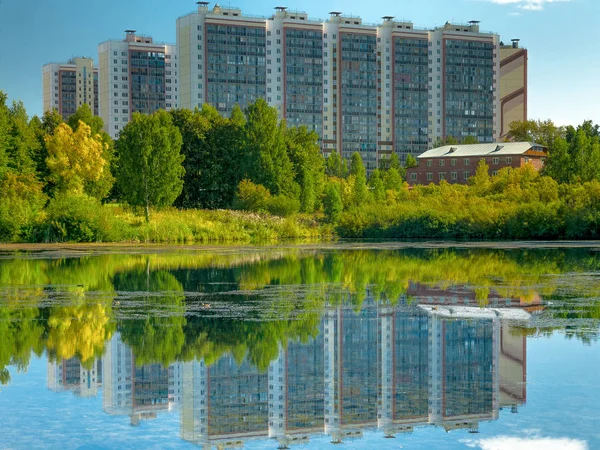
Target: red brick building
point(457, 163)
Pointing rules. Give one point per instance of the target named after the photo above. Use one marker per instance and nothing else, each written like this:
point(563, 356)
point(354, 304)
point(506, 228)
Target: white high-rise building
point(67, 86)
point(136, 75)
point(368, 88)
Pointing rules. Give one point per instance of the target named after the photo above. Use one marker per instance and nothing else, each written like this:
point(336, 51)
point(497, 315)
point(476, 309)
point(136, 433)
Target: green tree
point(215, 158)
point(334, 165)
point(360, 193)
point(538, 131)
point(559, 164)
point(410, 162)
point(480, 182)
point(150, 161)
point(308, 165)
point(376, 184)
point(470, 140)
point(332, 202)
point(449, 140)
point(271, 165)
point(392, 180)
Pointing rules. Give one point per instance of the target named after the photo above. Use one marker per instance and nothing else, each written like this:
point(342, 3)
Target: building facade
point(67, 86)
point(136, 75)
point(367, 88)
point(513, 85)
point(457, 163)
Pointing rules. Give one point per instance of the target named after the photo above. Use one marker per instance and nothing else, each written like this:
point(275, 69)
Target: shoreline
point(330, 244)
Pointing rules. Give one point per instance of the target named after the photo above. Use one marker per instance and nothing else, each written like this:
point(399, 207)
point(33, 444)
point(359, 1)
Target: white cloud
point(534, 443)
point(528, 5)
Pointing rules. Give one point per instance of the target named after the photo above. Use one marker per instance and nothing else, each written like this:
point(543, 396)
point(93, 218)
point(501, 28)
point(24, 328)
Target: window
point(496, 161)
point(429, 163)
point(413, 176)
point(466, 162)
point(526, 160)
point(453, 162)
point(429, 176)
point(494, 173)
point(466, 175)
point(509, 160)
point(442, 162)
point(442, 175)
point(453, 175)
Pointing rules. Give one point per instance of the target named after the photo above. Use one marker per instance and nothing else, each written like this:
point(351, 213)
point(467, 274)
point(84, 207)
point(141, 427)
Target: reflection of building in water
point(70, 375)
point(137, 391)
point(387, 368)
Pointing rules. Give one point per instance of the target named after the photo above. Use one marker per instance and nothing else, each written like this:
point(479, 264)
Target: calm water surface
point(341, 346)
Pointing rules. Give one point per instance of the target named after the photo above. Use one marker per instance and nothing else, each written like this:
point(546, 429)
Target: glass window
point(466, 162)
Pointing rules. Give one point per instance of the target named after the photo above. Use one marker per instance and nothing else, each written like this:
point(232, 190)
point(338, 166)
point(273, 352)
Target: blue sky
point(561, 37)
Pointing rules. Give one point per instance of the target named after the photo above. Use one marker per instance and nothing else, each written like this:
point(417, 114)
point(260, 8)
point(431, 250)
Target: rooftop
point(492, 149)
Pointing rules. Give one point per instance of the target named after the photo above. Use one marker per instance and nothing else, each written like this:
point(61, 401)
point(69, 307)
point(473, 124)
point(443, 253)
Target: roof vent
point(452, 149)
point(498, 148)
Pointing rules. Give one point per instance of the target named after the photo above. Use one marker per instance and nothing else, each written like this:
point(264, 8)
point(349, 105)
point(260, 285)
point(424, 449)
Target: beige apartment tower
point(67, 86)
point(513, 85)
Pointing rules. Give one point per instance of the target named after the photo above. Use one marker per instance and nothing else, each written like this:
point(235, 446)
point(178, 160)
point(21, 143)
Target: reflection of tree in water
point(20, 334)
point(154, 329)
point(285, 293)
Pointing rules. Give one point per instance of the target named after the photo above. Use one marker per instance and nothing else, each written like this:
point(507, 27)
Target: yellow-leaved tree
point(75, 158)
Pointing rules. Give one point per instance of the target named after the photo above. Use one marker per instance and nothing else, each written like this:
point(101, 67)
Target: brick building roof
point(492, 149)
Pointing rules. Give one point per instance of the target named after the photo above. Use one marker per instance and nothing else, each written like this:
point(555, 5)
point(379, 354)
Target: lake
point(370, 345)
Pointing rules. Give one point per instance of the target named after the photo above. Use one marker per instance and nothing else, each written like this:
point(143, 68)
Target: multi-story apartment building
point(138, 391)
point(222, 58)
point(136, 75)
point(513, 85)
point(391, 368)
point(67, 86)
point(372, 89)
point(71, 375)
point(464, 75)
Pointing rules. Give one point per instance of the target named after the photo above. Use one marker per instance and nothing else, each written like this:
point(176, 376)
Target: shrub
point(79, 218)
point(283, 206)
point(251, 197)
point(21, 205)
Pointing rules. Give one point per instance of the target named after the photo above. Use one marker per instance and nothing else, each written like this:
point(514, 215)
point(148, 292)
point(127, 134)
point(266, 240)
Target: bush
point(21, 206)
point(283, 206)
point(79, 218)
point(251, 197)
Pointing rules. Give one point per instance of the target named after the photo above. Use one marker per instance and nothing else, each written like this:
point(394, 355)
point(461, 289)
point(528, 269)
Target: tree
point(308, 165)
point(540, 132)
point(449, 140)
point(559, 164)
point(271, 165)
point(75, 159)
point(376, 184)
point(360, 193)
point(334, 165)
point(150, 166)
point(410, 162)
point(470, 140)
point(332, 202)
point(480, 182)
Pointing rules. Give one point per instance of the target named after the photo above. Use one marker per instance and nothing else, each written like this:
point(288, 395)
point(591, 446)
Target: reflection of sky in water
point(562, 412)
